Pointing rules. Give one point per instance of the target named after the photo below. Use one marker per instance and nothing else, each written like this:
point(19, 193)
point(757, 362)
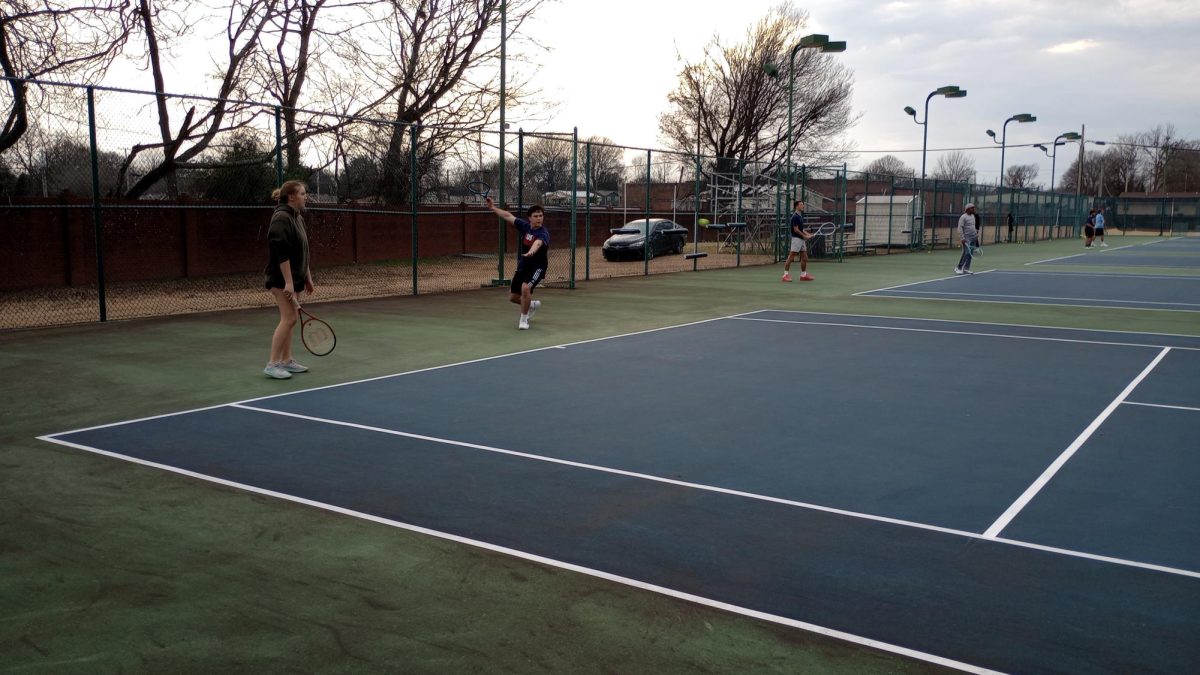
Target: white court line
point(888, 288)
point(402, 374)
point(690, 485)
point(1122, 277)
point(1053, 297)
point(962, 321)
point(1049, 260)
point(572, 567)
point(1054, 467)
point(958, 332)
point(1041, 304)
point(1118, 248)
point(1163, 405)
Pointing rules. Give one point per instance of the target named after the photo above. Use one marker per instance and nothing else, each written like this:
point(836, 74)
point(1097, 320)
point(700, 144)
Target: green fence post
point(646, 239)
point(891, 199)
point(587, 212)
point(862, 222)
point(97, 217)
point(696, 217)
point(741, 217)
point(574, 197)
point(415, 196)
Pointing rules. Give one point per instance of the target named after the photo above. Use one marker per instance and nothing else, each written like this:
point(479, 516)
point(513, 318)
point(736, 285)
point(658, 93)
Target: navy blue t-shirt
point(528, 236)
point(797, 224)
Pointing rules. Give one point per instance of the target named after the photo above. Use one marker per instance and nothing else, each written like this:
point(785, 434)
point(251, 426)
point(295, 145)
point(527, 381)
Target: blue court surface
point(983, 496)
point(1082, 289)
point(1170, 253)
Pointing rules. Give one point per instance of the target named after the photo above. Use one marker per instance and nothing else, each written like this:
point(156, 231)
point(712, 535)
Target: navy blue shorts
point(527, 274)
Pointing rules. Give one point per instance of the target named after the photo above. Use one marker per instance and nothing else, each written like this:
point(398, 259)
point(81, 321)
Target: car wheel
point(678, 247)
point(649, 253)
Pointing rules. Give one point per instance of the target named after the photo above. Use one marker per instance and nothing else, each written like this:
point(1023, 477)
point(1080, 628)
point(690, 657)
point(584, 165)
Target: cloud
point(1072, 47)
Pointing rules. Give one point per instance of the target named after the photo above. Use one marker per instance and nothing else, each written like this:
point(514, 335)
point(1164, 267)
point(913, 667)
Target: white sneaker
point(958, 270)
point(967, 272)
point(276, 371)
point(1104, 244)
point(533, 307)
point(523, 324)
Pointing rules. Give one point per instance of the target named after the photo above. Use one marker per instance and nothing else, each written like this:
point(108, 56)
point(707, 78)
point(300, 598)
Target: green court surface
point(108, 566)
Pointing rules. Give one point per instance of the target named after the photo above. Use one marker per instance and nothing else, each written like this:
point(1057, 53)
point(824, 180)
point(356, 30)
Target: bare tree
point(889, 165)
point(957, 166)
point(1020, 175)
point(202, 121)
point(608, 163)
point(1182, 170)
point(436, 63)
point(661, 170)
point(1120, 170)
point(1158, 146)
point(43, 38)
point(547, 164)
point(734, 103)
point(282, 70)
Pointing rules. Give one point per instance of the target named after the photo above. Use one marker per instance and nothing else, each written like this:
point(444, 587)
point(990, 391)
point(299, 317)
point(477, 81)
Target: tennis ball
point(703, 221)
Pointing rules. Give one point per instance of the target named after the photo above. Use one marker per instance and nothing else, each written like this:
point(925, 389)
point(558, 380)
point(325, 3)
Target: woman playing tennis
point(287, 270)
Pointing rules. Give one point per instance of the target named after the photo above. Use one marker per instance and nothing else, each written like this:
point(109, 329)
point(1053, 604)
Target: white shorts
point(798, 245)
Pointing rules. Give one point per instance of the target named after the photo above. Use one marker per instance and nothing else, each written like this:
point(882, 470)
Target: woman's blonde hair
point(290, 187)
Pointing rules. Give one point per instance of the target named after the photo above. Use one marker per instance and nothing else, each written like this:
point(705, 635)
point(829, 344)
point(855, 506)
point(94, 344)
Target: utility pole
point(1082, 141)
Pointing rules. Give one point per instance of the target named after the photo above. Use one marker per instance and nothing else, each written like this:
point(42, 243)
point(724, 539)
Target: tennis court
point(1171, 253)
point(1080, 289)
point(986, 514)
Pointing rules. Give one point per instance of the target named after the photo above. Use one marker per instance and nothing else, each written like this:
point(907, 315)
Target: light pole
point(1053, 154)
point(949, 91)
point(814, 41)
point(1020, 118)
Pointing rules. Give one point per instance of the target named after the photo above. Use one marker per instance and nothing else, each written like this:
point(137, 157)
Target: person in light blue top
point(1100, 226)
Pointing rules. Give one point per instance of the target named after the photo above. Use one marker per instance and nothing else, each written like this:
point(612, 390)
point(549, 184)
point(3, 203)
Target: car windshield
point(636, 225)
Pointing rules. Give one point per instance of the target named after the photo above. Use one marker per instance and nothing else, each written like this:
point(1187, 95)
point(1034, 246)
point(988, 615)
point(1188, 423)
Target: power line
point(1020, 145)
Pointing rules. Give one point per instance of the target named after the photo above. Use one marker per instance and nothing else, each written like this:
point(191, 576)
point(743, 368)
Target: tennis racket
point(316, 334)
point(479, 189)
point(975, 249)
point(821, 229)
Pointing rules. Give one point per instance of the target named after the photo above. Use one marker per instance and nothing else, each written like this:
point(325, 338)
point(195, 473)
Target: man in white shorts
point(799, 245)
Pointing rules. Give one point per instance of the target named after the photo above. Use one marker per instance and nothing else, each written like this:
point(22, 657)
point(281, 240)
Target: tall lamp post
point(949, 91)
point(1060, 139)
point(814, 41)
point(1020, 118)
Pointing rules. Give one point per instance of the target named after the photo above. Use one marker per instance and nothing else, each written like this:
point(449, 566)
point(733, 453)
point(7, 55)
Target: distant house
point(608, 197)
point(563, 198)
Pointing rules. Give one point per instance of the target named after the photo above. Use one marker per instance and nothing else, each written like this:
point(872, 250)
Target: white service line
point(1163, 405)
point(712, 488)
point(1050, 260)
point(969, 323)
point(572, 567)
point(1016, 507)
point(1052, 297)
point(958, 332)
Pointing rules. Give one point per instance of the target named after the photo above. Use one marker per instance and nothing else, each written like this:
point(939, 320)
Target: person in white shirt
point(968, 235)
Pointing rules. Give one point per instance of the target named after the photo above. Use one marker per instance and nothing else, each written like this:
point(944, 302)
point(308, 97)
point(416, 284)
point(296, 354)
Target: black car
point(629, 242)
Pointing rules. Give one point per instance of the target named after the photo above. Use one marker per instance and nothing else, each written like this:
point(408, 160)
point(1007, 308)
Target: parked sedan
point(629, 242)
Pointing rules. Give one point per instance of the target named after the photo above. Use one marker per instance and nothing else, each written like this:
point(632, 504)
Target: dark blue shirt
point(528, 236)
point(797, 224)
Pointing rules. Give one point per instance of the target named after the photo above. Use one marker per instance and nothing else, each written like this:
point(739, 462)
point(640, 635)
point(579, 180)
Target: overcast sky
point(1116, 66)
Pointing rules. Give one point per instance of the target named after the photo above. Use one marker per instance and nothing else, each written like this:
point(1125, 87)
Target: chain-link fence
point(124, 204)
point(1155, 214)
